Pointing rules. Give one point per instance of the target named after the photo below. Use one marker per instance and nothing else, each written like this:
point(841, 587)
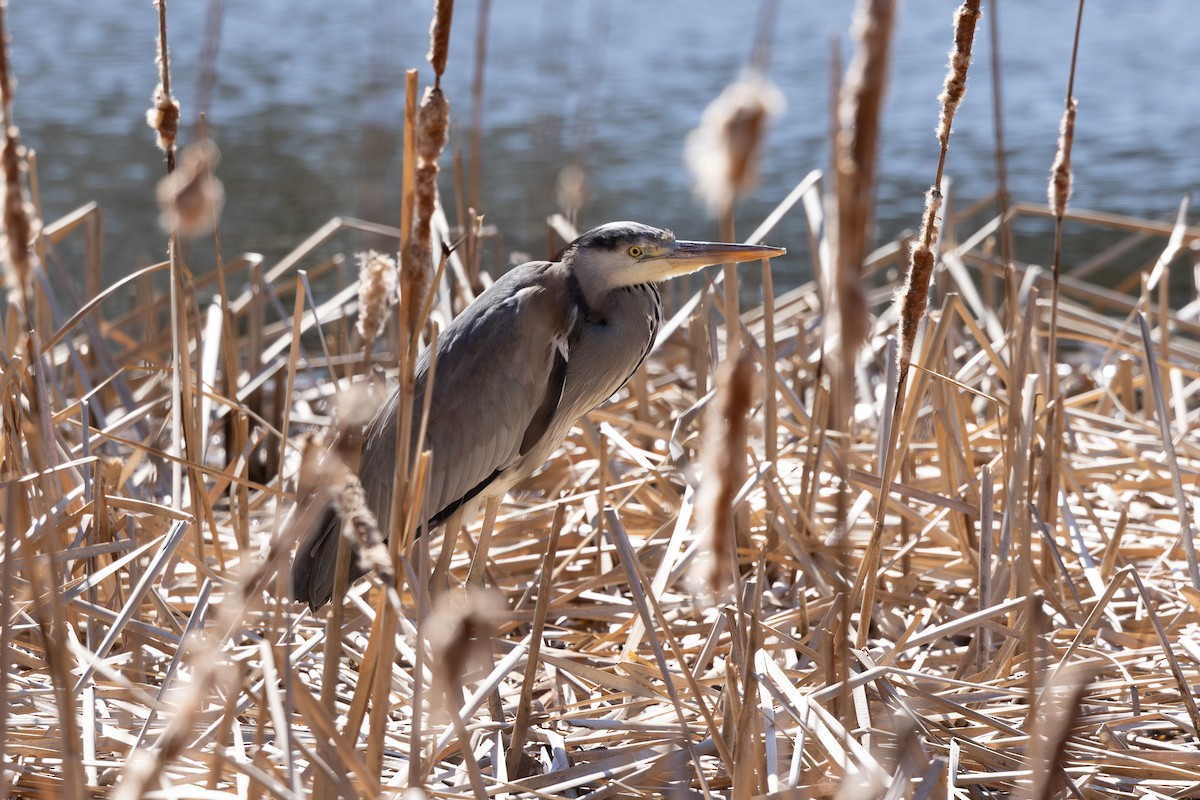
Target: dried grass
point(146, 649)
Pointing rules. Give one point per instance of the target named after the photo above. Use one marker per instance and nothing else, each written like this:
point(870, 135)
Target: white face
point(629, 254)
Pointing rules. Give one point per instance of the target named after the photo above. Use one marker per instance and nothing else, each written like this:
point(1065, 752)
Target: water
point(308, 100)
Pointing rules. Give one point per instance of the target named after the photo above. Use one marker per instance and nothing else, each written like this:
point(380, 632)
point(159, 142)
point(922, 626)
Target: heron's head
point(630, 253)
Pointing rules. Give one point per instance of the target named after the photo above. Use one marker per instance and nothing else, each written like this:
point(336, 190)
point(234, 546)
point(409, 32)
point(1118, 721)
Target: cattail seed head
point(1060, 173)
point(433, 123)
point(190, 199)
point(376, 293)
point(960, 59)
point(416, 261)
point(723, 151)
point(915, 292)
point(439, 36)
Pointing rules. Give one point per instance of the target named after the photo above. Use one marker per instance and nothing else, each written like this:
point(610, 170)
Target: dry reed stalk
point(382, 641)
point(855, 146)
point(163, 116)
point(1059, 191)
point(471, 232)
point(1007, 248)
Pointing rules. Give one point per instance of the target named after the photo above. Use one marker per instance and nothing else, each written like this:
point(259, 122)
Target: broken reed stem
point(915, 296)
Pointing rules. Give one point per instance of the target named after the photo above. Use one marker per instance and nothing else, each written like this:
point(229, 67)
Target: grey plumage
point(541, 347)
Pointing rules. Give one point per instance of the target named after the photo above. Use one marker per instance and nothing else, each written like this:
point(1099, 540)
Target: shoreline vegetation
point(922, 527)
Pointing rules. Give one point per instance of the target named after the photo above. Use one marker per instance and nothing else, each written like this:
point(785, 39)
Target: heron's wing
point(500, 370)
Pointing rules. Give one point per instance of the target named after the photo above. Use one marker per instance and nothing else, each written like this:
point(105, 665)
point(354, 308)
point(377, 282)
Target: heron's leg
point(479, 563)
point(440, 580)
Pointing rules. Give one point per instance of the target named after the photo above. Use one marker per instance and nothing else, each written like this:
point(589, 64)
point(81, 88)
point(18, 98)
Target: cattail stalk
point(914, 296)
point(163, 116)
point(1002, 197)
point(1058, 192)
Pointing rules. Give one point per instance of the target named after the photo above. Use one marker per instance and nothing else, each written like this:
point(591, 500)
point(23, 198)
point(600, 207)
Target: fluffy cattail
point(376, 293)
point(1060, 173)
point(439, 37)
point(960, 59)
point(723, 151)
point(416, 262)
point(725, 432)
point(191, 197)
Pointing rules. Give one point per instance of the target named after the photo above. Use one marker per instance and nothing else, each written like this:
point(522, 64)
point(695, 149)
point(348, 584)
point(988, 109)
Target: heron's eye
point(634, 251)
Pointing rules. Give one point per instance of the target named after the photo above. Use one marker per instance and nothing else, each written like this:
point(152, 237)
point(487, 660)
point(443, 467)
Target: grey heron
point(542, 346)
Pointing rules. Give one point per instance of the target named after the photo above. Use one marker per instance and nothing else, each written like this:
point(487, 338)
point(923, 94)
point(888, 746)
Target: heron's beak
point(686, 257)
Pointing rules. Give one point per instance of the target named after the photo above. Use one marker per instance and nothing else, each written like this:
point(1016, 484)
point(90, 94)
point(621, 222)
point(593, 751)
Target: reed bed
point(1011, 643)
